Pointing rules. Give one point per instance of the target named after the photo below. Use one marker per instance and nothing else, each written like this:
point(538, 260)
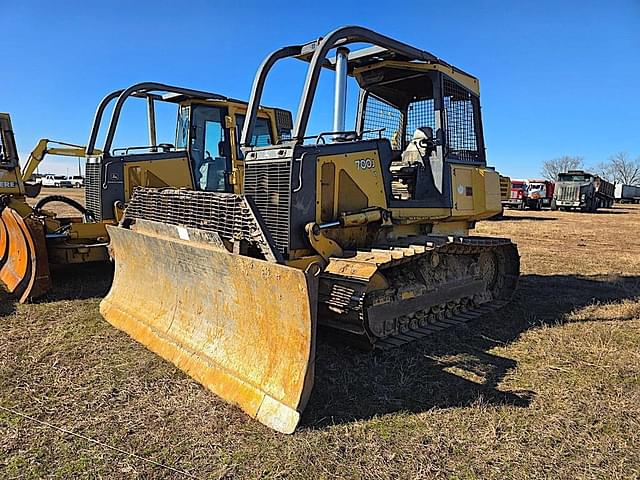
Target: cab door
point(210, 152)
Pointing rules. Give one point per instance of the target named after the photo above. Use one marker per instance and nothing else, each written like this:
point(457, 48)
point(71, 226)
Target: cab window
point(209, 149)
point(182, 129)
point(261, 133)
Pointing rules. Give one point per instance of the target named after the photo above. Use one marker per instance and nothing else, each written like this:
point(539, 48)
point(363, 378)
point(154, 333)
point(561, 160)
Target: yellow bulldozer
point(362, 231)
point(205, 156)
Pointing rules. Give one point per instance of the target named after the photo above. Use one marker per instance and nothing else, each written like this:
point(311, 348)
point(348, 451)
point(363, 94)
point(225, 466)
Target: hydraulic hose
point(66, 200)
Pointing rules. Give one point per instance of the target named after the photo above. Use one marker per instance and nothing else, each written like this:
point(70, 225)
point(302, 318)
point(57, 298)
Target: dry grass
point(548, 388)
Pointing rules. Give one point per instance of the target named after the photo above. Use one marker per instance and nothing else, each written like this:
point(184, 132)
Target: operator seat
point(417, 156)
point(420, 148)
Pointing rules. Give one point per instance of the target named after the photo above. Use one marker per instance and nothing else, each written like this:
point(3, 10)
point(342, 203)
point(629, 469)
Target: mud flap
point(24, 264)
point(242, 327)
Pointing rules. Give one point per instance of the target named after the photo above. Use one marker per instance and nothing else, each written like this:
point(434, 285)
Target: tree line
point(618, 168)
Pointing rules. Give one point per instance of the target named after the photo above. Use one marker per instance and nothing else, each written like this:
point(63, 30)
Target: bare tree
point(620, 168)
point(551, 168)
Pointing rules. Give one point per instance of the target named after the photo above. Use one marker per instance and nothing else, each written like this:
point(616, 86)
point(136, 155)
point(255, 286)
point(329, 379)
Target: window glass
point(3, 159)
point(567, 177)
point(214, 166)
point(182, 129)
point(8, 156)
point(261, 132)
point(209, 149)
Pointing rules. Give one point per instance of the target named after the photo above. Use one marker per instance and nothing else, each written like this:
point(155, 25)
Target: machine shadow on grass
point(79, 282)
point(72, 282)
point(352, 385)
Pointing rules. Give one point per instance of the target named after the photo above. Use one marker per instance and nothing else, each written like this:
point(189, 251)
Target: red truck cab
point(518, 197)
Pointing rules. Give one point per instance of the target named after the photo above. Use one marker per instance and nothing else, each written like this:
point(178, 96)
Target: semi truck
point(577, 189)
point(627, 193)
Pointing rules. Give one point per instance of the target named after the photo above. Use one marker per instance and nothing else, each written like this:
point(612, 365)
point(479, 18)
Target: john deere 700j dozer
point(365, 230)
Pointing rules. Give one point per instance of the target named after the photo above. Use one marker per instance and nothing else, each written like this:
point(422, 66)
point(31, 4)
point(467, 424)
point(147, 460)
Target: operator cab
point(203, 156)
point(421, 114)
point(428, 114)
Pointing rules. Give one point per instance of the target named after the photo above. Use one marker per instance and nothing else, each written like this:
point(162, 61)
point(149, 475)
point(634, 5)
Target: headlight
point(583, 196)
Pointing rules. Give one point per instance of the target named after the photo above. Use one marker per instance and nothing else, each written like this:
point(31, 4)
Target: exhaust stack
point(340, 99)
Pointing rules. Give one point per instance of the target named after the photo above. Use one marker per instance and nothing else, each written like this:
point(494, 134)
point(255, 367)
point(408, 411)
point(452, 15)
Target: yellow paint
point(187, 302)
point(171, 172)
point(354, 182)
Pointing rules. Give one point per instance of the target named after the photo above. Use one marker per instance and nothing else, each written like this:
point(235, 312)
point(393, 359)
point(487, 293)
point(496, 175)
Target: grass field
point(546, 388)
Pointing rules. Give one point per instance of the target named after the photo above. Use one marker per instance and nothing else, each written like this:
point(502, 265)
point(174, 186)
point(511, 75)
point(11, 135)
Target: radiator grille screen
point(93, 189)
point(568, 193)
point(268, 184)
point(227, 214)
point(461, 107)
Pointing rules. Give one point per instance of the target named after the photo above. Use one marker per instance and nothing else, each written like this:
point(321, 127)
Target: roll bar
point(142, 90)
point(319, 50)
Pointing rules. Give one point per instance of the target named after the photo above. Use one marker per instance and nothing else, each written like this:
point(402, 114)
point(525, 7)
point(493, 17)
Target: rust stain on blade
point(242, 327)
point(24, 265)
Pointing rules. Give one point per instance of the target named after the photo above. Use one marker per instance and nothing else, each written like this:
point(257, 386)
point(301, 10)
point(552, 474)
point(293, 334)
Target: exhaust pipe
point(340, 99)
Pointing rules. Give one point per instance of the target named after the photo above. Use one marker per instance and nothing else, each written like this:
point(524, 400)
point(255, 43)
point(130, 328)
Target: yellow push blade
point(244, 328)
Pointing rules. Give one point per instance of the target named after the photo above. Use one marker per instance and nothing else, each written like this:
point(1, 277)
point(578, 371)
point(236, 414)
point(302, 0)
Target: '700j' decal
point(365, 163)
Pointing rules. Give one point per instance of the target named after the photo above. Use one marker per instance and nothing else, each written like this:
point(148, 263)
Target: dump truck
point(361, 231)
point(204, 155)
point(539, 194)
point(518, 196)
point(627, 193)
point(577, 189)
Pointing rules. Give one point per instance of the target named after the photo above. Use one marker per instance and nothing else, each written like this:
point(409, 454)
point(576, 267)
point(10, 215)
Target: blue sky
point(557, 77)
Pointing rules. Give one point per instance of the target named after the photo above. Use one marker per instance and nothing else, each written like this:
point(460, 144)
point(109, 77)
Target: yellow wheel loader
point(364, 231)
point(205, 156)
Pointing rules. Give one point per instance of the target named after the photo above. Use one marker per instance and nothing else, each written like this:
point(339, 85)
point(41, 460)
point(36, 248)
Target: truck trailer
point(627, 193)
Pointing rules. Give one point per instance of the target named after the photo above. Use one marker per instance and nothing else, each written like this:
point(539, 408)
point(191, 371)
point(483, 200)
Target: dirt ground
point(548, 387)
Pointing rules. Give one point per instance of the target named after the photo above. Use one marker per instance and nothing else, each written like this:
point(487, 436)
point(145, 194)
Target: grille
point(461, 133)
point(420, 114)
point(268, 184)
point(380, 115)
point(229, 215)
point(93, 189)
point(568, 193)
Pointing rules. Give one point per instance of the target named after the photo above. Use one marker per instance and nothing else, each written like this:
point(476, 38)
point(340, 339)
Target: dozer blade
point(24, 264)
point(242, 327)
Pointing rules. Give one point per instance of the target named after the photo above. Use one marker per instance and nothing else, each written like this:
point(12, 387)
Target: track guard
point(242, 327)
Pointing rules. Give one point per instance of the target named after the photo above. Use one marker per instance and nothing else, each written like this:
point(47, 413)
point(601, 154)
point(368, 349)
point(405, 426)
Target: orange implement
point(242, 327)
point(24, 266)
